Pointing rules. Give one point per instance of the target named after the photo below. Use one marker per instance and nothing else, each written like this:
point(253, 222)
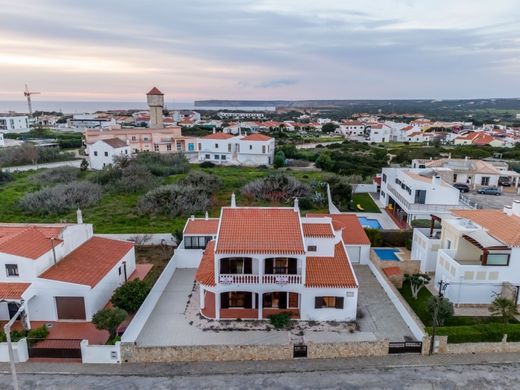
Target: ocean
point(77, 107)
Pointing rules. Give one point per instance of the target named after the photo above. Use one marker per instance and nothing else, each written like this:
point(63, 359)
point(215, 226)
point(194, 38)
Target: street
point(478, 376)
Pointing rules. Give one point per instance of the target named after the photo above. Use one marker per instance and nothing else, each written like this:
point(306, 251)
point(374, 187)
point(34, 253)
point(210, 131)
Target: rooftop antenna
point(28, 94)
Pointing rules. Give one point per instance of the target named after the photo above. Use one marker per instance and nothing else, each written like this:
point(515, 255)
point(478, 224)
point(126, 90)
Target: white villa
point(224, 148)
point(257, 261)
point(102, 152)
point(59, 271)
point(477, 252)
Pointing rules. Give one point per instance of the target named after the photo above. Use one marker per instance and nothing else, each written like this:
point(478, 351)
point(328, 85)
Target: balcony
point(417, 207)
point(257, 279)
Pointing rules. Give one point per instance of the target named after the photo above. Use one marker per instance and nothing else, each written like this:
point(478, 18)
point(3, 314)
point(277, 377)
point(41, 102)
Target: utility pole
point(442, 288)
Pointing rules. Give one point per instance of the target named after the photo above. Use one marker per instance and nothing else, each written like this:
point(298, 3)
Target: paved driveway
point(492, 201)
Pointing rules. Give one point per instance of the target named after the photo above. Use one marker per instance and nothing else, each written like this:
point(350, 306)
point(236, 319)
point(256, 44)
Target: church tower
point(155, 100)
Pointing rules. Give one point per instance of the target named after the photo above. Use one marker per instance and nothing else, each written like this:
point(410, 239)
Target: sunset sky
point(265, 49)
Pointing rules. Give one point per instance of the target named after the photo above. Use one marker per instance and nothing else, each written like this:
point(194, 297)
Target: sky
point(111, 50)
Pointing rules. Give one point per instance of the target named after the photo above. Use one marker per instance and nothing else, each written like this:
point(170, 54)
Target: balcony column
point(260, 305)
point(261, 269)
point(217, 305)
point(304, 269)
point(201, 297)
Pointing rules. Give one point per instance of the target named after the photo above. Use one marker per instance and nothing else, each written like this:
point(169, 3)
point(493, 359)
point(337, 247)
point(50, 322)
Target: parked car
point(504, 182)
point(461, 187)
point(489, 191)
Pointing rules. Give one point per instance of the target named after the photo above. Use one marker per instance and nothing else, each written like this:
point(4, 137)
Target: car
point(461, 187)
point(504, 182)
point(489, 191)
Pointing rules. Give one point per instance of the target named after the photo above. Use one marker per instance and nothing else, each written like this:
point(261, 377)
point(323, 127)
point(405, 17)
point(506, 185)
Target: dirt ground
point(154, 254)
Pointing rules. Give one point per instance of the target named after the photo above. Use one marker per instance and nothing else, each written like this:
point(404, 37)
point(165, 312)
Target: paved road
point(504, 376)
point(22, 168)
point(491, 201)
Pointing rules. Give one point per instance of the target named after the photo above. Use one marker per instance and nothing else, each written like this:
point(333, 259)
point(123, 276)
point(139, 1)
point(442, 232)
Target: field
point(116, 213)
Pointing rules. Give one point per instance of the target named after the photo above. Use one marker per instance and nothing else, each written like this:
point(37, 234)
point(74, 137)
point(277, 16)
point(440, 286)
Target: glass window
point(95, 153)
point(497, 259)
point(106, 154)
point(207, 156)
point(223, 157)
point(168, 147)
point(11, 269)
point(328, 302)
point(216, 157)
point(311, 248)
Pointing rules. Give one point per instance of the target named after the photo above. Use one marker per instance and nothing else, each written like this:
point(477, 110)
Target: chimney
point(79, 217)
point(508, 210)
point(214, 129)
point(206, 216)
point(516, 208)
point(436, 180)
point(233, 200)
point(449, 156)
point(296, 204)
point(192, 217)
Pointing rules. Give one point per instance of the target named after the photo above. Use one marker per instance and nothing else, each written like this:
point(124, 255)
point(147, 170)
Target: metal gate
point(300, 351)
point(54, 348)
point(405, 347)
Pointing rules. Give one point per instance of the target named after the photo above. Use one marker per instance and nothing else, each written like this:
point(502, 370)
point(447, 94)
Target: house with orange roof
point(479, 138)
point(256, 261)
point(477, 254)
point(59, 272)
point(227, 149)
point(103, 152)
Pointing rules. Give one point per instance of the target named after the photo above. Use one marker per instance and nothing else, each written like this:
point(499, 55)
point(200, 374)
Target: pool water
point(387, 254)
point(369, 223)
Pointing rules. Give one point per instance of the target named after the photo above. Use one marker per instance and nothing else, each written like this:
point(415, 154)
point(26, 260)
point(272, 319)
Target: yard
point(366, 202)
point(156, 255)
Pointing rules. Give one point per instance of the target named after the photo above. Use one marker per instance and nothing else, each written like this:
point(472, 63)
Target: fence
point(20, 351)
point(105, 354)
point(150, 239)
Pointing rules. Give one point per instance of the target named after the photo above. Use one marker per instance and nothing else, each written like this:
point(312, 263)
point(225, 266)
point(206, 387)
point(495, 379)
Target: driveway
point(492, 201)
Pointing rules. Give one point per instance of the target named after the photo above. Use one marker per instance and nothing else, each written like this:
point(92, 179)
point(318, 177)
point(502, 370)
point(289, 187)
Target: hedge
point(479, 333)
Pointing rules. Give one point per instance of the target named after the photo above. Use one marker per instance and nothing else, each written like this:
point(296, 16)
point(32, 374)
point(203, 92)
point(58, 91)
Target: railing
point(255, 279)
point(411, 207)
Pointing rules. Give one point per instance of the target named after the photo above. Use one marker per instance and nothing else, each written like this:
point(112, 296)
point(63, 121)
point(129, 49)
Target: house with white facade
point(2, 140)
point(14, 123)
point(57, 272)
point(477, 254)
point(409, 193)
point(101, 153)
point(91, 121)
point(259, 261)
point(223, 148)
point(350, 128)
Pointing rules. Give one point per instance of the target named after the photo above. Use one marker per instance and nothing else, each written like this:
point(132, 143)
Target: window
point(207, 156)
point(11, 269)
point(168, 147)
point(95, 153)
point(497, 259)
point(106, 154)
point(312, 248)
point(179, 147)
point(229, 148)
point(191, 147)
point(133, 138)
point(196, 242)
point(384, 177)
point(454, 177)
point(216, 157)
point(216, 146)
point(236, 265)
point(200, 146)
point(156, 148)
point(383, 195)
point(329, 302)
point(126, 151)
point(250, 147)
point(448, 244)
point(263, 148)
point(223, 157)
point(484, 180)
point(420, 196)
point(145, 138)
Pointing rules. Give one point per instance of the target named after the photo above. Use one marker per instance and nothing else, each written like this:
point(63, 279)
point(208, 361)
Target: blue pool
point(369, 223)
point(387, 254)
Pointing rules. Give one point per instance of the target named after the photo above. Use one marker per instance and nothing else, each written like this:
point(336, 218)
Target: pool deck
point(384, 220)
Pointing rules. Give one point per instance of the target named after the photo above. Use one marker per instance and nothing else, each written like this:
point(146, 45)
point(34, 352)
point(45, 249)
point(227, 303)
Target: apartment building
point(14, 123)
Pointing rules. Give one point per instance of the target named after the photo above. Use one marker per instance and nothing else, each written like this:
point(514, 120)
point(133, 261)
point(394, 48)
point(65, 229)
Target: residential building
point(350, 128)
point(378, 132)
point(410, 194)
point(475, 173)
point(59, 271)
point(91, 121)
point(14, 123)
point(224, 148)
point(102, 152)
point(479, 138)
point(261, 261)
point(2, 140)
point(241, 115)
point(478, 254)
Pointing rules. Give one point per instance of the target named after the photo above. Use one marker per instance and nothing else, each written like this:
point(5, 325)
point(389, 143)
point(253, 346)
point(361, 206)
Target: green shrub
point(109, 319)
point(374, 235)
point(38, 333)
point(57, 175)
point(280, 320)
point(207, 164)
point(174, 200)
point(492, 332)
point(131, 295)
point(396, 238)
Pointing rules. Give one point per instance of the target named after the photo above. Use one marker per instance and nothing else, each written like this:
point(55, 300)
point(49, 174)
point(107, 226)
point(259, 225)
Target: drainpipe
point(124, 269)
point(53, 250)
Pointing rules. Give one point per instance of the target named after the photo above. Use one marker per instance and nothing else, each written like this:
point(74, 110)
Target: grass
point(366, 202)
point(116, 213)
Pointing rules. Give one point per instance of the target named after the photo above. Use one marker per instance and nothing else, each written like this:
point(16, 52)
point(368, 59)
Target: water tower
point(155, 100)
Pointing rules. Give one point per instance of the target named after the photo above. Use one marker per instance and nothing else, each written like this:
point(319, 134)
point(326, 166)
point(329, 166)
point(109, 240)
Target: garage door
point(70, 308)
point(354, 254)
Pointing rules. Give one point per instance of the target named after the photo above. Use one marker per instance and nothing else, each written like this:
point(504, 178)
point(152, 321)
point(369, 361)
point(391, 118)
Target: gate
point(300, 351)
point(405, 347)
point(54, 348)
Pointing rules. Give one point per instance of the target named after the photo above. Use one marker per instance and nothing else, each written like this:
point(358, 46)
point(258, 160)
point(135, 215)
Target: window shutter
point(268, 266)
point(318, 302)
point(339, 302)
point(224, 266)
point(248, 266)
point(293, 266)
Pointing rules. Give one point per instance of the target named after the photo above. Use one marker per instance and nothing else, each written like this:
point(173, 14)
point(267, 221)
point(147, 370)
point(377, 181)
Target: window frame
point(9, 268)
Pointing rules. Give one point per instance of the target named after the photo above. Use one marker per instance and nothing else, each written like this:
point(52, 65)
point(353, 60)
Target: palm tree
point(505, 308)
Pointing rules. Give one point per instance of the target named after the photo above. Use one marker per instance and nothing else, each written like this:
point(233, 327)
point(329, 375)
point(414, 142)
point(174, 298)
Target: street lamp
point(442, 289)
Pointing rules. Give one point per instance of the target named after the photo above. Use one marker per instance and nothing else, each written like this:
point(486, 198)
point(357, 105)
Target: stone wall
point(503, 346)
point(342, 350)
point(134, 354)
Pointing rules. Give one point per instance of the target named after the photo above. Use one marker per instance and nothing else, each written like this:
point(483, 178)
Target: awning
point(483, 240)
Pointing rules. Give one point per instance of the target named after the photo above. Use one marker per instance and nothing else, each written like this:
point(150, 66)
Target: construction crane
point(28, 94)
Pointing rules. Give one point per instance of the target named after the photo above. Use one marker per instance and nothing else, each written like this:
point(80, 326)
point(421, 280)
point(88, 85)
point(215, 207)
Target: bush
point(207, 164)
point(340, 190)
point(279, 159)
point(131, 295)
point(444, 312)
point(275, 188)
point(374, 235)
point(56, 175)
point(204, 181)
point(109, 319)
point(108, 175)
point(28, 153)
point(479, 333)
point(135, 178)
point(61, 198)
point(280, 320)
point(174, 200)
point(5, 177)
point(396, 238)
point(425, 223)
point(163, 164)
point(38, 333)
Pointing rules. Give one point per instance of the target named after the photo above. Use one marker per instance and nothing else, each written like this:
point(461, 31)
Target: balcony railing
point(411, 207)
point(256, 279)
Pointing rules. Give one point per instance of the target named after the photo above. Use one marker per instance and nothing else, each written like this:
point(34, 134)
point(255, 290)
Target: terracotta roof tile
point(115, 142)
point(498, 224)
point(260, 230)
point(28, 241)
point(206, 272)
point(392, 271)
point(219, 136)
point(335, 272)
point(321, 230)
point(202, 226)
point(12, 290)
point(155, 91)
point(90, 262)
point(353, 233)
point(256, 137)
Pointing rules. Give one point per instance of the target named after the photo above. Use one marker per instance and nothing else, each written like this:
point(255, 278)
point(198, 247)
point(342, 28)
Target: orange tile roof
point(256, 137)
point(12, 290)
point(219, 136)
point(90, 262)
point(260, 230)
point(115, 142)
point(498, 224)
point(392, 271)
point(333, 272)
point(353, 233)
point(202, 226)
point(155, 91)
point(206, 271)
point(30, 241)
point(317, 230)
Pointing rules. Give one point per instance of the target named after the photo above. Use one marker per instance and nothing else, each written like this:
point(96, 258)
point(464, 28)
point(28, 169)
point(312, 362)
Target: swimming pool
point(369, 223)
point(387, 254)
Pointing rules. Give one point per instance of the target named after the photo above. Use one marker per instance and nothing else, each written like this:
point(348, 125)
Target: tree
point(444, 309)
point(131, 295)
point(417, 282)
point(503, 307)
point(29, 152)
point(84, 165)
point(109, 319)
point(329, 127)
point(279, 159)
point(324, 161)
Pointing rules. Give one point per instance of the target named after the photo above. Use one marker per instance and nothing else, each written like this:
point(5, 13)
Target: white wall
point(309, 312)
point(20, 351)
point(187, 258)
point(14, 123)
point(100, 354)
point(105, 154)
